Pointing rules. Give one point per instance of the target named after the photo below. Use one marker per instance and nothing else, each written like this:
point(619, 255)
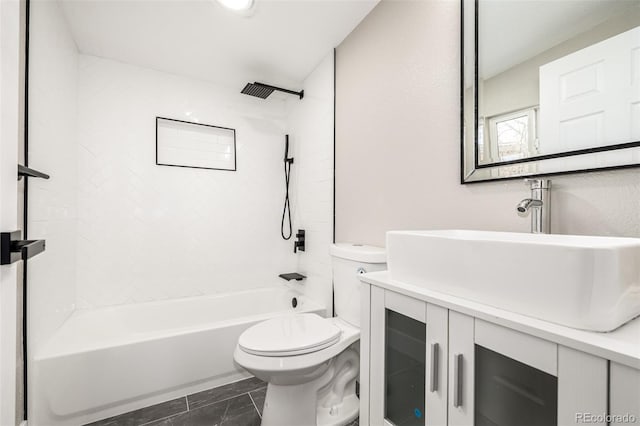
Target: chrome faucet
point(540, 205)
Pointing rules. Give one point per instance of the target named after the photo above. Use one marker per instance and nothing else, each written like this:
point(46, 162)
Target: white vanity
point(444, 340)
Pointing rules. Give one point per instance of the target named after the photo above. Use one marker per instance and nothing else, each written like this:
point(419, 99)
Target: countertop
point(621, 345)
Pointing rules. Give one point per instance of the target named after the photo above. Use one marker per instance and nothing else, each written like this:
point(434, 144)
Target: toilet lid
point(289, 335)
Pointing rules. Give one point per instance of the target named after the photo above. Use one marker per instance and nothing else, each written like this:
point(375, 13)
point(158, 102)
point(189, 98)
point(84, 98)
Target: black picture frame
point(235, 160)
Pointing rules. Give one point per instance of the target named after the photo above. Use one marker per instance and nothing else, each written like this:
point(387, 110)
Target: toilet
point(311, 363)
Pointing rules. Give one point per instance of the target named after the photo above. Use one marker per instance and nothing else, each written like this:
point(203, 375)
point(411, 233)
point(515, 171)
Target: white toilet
point(311, 363)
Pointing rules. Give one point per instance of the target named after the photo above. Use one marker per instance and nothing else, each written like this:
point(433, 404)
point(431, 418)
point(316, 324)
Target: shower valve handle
point(300, 239)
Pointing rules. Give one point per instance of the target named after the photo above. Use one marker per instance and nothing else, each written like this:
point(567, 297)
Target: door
point(591, 97)
point(408, 385)
point(11, 91)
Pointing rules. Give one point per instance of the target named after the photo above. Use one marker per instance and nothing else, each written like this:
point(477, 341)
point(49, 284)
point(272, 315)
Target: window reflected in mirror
point(512, 136)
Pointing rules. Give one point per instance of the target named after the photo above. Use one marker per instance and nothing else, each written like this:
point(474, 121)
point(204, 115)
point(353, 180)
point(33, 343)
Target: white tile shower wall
point(149, 232)
point(52, 149)
point(311, 129)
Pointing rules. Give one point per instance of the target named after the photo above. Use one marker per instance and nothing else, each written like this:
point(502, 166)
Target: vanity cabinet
point(428, 365)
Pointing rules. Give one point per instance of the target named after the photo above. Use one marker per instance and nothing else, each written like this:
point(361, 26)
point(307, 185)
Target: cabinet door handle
point(433, 379)
point(457, 380)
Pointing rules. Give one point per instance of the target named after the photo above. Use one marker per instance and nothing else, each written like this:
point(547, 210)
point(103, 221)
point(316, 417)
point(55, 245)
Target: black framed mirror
point(549, 87)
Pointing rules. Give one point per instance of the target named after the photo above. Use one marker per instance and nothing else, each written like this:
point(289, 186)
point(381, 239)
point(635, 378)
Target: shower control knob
point(298, 245)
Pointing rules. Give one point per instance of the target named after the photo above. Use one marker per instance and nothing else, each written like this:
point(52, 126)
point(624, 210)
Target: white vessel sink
point(590, 283)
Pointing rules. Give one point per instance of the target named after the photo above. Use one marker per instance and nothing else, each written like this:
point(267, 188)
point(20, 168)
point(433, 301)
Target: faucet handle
point(536, 183)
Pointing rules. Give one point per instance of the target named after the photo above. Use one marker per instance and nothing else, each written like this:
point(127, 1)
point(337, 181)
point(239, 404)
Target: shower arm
point(280, 89)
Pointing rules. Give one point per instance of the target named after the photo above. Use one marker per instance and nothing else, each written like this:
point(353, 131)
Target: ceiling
point(512, 31)
point(280, 42)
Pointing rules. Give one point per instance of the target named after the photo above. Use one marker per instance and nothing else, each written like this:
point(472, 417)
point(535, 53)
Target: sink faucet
point(540, 205)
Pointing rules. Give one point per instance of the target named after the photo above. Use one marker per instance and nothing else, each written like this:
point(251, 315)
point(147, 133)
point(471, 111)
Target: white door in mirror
point(591, 97)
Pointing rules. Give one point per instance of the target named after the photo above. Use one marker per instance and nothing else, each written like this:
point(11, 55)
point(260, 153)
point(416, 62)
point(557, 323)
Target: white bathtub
point(107, 361)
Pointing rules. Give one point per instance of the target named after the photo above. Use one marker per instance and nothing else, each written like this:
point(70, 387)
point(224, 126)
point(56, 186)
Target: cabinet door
point(515, 378)
point(401, 390)
point(404, 360)
point(625, 395)
point(498, 376)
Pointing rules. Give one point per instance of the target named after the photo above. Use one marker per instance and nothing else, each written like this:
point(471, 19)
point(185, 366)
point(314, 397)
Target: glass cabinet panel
point(508, 392)
point(405, 345)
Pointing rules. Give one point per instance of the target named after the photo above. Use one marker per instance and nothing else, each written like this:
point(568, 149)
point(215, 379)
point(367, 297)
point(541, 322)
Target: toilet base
point(279, 411)
point(341, 414)
point(328, 400)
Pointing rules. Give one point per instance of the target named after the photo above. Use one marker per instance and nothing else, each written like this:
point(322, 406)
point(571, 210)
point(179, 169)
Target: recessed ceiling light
point(237, 5)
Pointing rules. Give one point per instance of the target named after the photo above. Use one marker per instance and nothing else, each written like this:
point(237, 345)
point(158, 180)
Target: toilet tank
point(349, 261)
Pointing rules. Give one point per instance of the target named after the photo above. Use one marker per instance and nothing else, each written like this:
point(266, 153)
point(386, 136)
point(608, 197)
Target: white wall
point(149, 232)
point(53, 76)
point(311, 135)
point(398, 141)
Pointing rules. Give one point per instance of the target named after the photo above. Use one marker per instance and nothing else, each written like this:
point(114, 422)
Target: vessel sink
point(590, 283)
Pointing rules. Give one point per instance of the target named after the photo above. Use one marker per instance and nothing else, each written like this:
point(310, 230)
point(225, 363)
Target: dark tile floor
point(235, 404)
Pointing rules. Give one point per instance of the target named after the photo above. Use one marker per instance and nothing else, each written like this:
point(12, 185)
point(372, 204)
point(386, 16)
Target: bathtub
point(108, 361)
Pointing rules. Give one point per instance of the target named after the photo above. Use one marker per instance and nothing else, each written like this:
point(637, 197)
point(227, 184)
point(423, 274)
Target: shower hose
point(286, 211)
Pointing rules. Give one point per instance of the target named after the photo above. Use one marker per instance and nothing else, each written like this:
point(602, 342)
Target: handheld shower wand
point(286, 150)
point(286, 211)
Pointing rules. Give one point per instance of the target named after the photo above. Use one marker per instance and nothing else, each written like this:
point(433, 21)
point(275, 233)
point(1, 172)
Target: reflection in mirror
point(556, 88)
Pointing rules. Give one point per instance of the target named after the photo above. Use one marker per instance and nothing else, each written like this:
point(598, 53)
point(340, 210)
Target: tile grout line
point(154, 420)
point(225, 399)
point(169, 416)
point(189, 408)
point(226, 410)
point(254, 404)
point(164, 418)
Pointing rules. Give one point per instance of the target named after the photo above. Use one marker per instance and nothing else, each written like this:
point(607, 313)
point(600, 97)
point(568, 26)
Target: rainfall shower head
point(257, 90)
point(262, 91)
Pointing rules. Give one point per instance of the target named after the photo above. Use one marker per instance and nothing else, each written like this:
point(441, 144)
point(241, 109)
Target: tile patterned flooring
point(235, 404)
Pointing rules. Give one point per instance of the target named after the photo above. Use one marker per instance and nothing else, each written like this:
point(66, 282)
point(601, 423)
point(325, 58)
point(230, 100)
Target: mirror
point(549, 87)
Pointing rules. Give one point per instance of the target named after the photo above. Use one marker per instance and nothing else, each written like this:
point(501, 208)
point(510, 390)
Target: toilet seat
point(290, 335)
point(293, 365)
